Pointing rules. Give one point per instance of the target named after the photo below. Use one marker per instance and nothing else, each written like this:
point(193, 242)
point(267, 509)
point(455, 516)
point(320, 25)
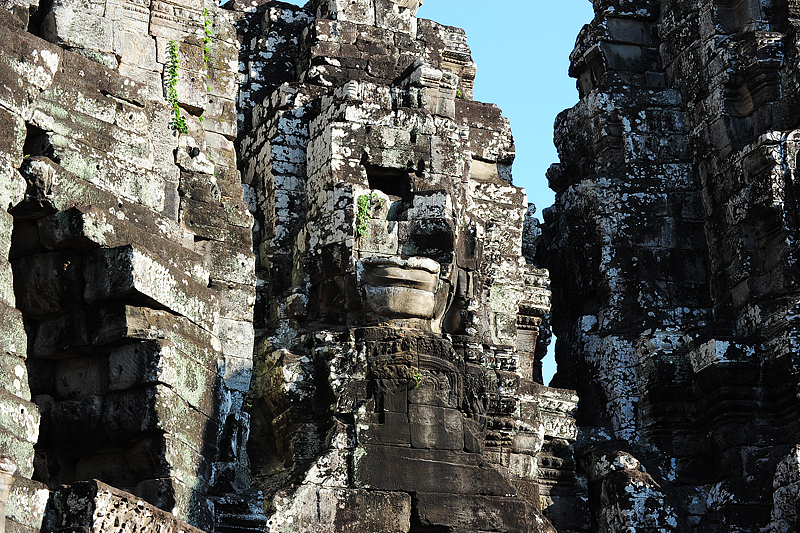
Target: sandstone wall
point(194, 196)
point(129, 327)
point(675, 209)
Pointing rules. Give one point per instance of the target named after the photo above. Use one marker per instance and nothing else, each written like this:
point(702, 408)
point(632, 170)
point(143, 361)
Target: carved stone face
point(383, 229)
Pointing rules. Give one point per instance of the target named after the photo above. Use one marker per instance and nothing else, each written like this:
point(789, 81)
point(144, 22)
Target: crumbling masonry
point(263, 268)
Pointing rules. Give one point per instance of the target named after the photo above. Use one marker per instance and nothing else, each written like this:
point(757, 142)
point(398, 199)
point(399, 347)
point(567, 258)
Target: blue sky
point(522, 51)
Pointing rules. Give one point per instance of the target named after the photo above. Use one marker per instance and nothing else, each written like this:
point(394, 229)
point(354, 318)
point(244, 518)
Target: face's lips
point(401, 288)
point(414, 273)
point(420, 263)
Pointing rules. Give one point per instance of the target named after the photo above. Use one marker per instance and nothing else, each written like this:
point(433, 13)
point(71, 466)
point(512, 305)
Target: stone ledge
point(95, 507)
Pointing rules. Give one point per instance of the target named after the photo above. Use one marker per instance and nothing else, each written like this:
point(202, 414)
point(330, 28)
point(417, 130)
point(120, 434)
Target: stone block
point(348, 510)
point(205, 220)
point(415, 470)
point(236, 301)
point(13, 338)
point(109, 466)
point(135, 49)
point(48, 283)
point(78, 377)
point(434, 390)
point(238, 372)
point(7, 227)
point(355, 11)
point(18, 417)
point(62, 335)
point(630, 31)
point(72, 27)
point(163, 456)
point(192, 78)
point(169, 22)
point(488, 145)
point(220, 117)
point(474, 435)
point(20, 451)
point(75, 424)
point(152, 80)
point(150, 362)
point(625, 57)
point(7, 296)
point(391, 395)
point(237, 338)
point(14, 376)
point(326, 510)
point(132, 272)
point(436, 427)
point(13, 127)
point(221, 83)
point(117, 173)
point(132, 15)
point(92, 506)
point(29, 66)
point(41, 376)
point(389, 429)
point(115, 324)
point(231, 264)
point(397, 15)
point(52, 188)
point(12, 188)
point(133, 413)
point(12, 526)
point(472, 512)
point(87, 227)
point(352, 396)
point(27, 502)
point(523, 466)
point(185, 502)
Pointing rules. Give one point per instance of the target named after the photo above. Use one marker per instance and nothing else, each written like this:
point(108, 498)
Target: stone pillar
point(7, 469)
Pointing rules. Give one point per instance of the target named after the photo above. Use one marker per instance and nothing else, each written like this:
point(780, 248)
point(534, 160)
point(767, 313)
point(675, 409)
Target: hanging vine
point(173, 66)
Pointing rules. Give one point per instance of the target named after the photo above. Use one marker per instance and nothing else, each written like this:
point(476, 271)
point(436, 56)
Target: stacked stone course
point(129, 327)
point(394, 345)
point(319, 307)
point(675, 206)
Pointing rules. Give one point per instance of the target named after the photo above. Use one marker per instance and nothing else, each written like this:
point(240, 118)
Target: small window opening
point(390, 181)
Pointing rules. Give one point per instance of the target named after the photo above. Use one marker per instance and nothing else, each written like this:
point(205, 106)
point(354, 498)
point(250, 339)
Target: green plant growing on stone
point(459, 94)
point(207, 34)
point(417, 377)
point(173, 66)
point(363, 204)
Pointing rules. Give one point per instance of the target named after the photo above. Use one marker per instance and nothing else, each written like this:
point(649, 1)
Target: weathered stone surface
point(437, 510)
point(116, 273)
point(31, 65)
point(427, 471)
point(383, 307)
point(26, 503)
point(95, 506)
point(12, 331)
point(150, 362)
point(343, 509)
point(158, 408)
point(436, 427)
point(668, 290)
point(49, 284)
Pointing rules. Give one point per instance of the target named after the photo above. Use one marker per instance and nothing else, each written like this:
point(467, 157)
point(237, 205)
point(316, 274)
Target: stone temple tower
point(672, 248)
point(262, 270)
